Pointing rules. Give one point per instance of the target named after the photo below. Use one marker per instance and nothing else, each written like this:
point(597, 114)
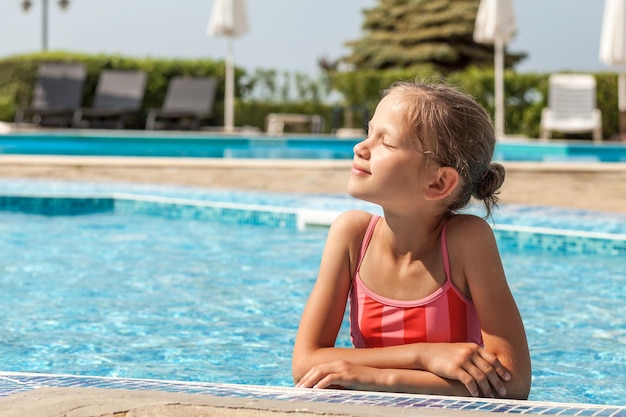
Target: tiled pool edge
point(561, 241)
point(12, 383)
point(511, 236)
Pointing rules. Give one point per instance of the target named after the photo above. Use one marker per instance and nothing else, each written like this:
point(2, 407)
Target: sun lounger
point(58, 93)
point(571, 106)
point(119, 95)
point(188, 101)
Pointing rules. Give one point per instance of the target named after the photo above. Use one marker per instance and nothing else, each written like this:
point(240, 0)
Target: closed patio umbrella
point(495, 25)
point(613, 51)
point(229, 19)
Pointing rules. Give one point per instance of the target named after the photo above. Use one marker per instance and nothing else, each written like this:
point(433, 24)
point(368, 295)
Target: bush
point(525, 94)
point(268, 91)
point(18, 75)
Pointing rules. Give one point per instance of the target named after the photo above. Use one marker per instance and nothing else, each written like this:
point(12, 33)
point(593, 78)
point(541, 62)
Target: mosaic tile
point(55, 206)
point(12, 383)
point(511, 237)
point(210, 212)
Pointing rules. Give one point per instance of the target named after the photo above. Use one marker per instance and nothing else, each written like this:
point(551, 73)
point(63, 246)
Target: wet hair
point(453, 130)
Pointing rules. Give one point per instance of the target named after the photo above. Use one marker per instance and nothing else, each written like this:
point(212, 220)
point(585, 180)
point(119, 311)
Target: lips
point(358, 170)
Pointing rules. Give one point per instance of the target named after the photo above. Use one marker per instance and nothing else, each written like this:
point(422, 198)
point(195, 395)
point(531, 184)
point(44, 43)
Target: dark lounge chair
point(58, 93)
point(188, 101)
point(119, 95)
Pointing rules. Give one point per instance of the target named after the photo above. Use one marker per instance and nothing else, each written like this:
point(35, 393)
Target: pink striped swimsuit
point(447, 315)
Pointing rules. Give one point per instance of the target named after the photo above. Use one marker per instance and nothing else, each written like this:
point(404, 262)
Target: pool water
point(153, 298)
point(150, 297)
point(202, 145)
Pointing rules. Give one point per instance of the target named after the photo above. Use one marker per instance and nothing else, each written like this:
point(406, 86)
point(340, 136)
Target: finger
point(327, 382)
point(480, 378)
point(309, 379)
point(497, 365)
point(490, 376)
point(470, 383)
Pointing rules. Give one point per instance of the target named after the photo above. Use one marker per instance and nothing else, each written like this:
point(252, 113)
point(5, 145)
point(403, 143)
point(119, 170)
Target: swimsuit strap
point(444, 252)
point(366, 239)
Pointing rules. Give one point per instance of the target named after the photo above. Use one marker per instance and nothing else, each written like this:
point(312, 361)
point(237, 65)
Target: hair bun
point(488, 186)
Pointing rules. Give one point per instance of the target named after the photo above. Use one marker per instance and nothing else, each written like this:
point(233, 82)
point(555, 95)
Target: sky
point(285, 35)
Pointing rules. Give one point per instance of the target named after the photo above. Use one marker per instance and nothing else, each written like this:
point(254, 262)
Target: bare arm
point(476, 256)
point(324, 311)
point(316, 362)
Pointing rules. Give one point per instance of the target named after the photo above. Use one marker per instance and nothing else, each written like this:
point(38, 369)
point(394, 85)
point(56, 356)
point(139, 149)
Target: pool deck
point(88, 402)
point(41, 395)
point(587, 185)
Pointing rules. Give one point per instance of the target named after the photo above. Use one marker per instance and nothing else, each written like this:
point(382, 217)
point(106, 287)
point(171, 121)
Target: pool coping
point(46, 395)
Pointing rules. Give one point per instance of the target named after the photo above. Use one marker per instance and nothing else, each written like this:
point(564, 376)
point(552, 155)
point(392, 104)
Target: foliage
point(18, 75)
point(525, 94)
point(253, 113)
point(418, 33)
point(268, 91)
point(271, 86)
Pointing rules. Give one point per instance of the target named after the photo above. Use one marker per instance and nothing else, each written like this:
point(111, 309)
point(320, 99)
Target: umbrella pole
point(229, 112)
point(499, 86)
point(621, 105)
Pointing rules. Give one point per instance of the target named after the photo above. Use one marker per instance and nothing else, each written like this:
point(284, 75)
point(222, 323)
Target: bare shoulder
point(349, 227)
point(352, 222)
point(471, 237)
point(469, 228)
point(345, 236)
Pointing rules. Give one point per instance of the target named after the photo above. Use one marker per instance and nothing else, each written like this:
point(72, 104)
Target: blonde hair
point(454, 131)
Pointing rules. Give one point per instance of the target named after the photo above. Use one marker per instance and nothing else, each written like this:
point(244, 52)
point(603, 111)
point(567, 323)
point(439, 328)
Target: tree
point(434, 34)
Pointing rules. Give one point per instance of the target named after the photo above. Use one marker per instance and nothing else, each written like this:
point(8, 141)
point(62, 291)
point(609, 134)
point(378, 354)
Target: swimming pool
point(148, 288)
point(202, 145)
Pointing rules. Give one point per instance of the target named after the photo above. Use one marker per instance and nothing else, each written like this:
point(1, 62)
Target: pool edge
point(48, 395)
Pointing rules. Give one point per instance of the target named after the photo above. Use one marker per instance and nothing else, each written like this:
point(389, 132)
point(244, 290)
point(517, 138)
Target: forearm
point(419, 382)
point(341, 373)
point(441, 368)
point(396, 357)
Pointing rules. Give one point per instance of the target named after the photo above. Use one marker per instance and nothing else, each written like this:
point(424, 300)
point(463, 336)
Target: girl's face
point(387, 165)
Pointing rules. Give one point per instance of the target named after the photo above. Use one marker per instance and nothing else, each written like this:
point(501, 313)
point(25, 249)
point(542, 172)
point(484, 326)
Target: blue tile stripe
point(525, 238)
point(15, 382)
point(227, 213)
point(509, 236)
point(55, 206)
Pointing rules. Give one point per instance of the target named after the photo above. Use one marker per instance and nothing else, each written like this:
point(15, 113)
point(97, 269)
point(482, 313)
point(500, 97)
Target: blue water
point(304, 147)
point(150, 297)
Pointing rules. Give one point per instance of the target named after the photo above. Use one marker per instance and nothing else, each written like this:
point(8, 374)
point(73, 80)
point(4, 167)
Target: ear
point(443, 184)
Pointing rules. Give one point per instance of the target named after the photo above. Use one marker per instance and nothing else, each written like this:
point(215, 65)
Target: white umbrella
point(495, 25)
point(613, 45)
point(229, 19)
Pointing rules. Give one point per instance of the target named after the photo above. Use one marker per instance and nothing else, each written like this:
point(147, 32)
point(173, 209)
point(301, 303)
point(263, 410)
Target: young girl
point(430, 309)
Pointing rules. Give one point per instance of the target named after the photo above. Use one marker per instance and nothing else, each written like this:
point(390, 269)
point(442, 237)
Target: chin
point(359, 194)
point(352, 190)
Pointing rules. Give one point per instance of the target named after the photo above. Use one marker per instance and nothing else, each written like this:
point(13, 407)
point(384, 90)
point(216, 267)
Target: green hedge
point(18, 74)
point(525, 94)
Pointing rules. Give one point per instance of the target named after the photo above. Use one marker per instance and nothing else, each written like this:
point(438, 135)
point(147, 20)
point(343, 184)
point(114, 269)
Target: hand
point(477, 369)
point(339, 374)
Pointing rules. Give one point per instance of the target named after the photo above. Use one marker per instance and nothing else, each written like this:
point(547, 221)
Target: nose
point(361, 150)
